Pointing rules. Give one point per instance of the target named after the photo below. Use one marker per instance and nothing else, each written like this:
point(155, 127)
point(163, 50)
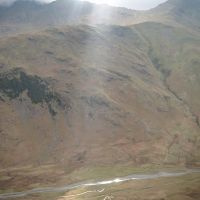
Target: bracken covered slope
point(82, 95)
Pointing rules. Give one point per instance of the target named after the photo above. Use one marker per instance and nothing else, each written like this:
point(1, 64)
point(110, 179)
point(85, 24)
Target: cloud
point(133, 4)
point(142, 4)
point(9, 2)
point(6, 2)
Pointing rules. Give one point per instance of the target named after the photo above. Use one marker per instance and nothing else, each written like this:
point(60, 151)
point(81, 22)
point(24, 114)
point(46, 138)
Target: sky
point(133, 4)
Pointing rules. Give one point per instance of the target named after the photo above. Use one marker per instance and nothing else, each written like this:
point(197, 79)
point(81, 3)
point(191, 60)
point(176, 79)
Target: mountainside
point(37, 13)
point(32, 16)
point(82, 95)
point(28, 16)
point(181, 11)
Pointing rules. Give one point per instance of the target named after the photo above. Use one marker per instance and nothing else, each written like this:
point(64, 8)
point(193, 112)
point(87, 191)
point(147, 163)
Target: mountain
point(37, 13)
point(28, 16)
point(181, 11)
point(81, 94)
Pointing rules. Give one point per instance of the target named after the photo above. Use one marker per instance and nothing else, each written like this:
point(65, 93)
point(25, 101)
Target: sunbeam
point(99, 99)
point(135, 4)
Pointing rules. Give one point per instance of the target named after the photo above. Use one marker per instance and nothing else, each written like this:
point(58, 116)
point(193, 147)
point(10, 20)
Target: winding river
point(97, 183)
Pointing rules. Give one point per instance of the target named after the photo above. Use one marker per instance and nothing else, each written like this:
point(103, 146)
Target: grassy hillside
point(97, 97)
point(175, 53)
point(117, 95)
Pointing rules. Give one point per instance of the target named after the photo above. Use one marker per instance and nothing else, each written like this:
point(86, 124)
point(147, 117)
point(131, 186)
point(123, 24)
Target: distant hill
point(182, 11)
point(28, 16)
point(32, 15)
point(37, 13)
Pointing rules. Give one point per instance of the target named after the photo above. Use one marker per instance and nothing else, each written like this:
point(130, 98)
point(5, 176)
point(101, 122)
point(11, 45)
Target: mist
point(136, 4)
point(9, 2)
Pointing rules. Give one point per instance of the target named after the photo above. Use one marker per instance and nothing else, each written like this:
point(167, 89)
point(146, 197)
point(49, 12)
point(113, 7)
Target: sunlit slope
point(86, 95)
point(175, 53)
point(32, 16)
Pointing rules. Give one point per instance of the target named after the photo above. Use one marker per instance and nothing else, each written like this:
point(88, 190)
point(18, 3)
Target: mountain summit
point(183, 11)
point(23, 16)
point(38, 13)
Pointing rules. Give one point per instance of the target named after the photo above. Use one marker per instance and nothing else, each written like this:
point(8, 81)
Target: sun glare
point(132, 4)
point(108, 2)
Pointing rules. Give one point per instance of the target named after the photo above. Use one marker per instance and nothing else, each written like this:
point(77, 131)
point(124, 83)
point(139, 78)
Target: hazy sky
point(134, 4)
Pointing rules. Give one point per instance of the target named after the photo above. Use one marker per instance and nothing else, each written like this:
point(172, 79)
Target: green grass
point(105, 172)
point(176, 188)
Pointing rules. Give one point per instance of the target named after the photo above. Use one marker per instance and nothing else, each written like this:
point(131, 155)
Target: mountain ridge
point(80, 95)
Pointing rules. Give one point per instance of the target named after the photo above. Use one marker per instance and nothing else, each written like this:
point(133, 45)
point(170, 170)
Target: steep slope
point(29, 16)
point(175, 53)
point(186, 13)
point(36, 13)
point(80, 96)
point(117, 102)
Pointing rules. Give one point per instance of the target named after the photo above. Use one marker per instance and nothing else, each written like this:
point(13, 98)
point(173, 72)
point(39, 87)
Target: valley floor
point(174, 185)
point(171, 188)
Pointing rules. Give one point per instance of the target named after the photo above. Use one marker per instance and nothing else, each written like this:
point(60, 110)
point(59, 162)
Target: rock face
point(82, 95)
